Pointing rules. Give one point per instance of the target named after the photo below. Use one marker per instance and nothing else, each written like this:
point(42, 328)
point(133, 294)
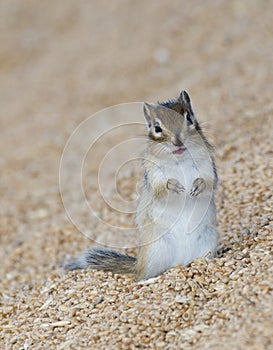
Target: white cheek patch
point(157, 135)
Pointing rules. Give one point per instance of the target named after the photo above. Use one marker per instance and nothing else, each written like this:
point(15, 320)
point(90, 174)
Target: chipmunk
point(176, 213)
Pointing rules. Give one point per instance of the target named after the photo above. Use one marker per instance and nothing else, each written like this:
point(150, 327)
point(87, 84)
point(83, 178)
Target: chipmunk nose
point(177, 142)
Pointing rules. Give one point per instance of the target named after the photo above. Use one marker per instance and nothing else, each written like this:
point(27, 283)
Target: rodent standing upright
point(176, 214)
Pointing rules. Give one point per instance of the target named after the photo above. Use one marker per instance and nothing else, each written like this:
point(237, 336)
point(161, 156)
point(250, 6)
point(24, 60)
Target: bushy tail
point(104, 259)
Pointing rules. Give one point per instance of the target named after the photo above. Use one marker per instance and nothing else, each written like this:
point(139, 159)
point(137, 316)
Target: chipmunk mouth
point(180, 150)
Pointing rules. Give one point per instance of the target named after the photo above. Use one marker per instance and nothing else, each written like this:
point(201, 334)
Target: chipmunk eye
point(157, 128)
point(189, 119)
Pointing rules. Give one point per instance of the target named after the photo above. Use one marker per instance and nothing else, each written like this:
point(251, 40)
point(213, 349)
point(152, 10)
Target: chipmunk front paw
point(198, 187)
point(175, 186)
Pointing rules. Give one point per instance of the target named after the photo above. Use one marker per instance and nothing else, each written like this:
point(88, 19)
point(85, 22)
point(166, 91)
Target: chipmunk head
point(172, 124)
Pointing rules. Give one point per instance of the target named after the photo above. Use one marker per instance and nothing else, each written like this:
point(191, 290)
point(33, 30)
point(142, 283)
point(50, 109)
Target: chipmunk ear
point(185, 101)
point(148, 110)
point(187, 110)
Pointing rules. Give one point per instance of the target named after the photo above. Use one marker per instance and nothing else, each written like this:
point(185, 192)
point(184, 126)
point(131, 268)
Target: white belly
point(185, 225)
point(184, 237)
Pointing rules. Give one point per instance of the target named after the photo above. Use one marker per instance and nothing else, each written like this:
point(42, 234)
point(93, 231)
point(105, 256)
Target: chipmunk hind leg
point(154, 259)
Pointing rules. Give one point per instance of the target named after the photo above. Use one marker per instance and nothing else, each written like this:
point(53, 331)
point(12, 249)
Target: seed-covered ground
point(60, 62)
